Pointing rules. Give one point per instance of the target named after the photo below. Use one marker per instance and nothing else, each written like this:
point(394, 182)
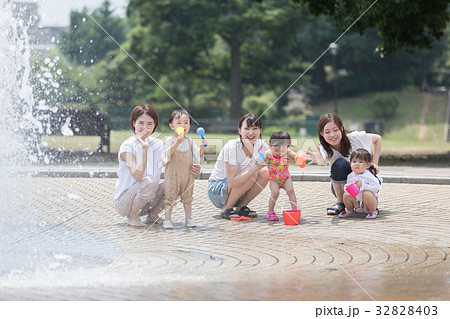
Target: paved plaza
point(62, 240)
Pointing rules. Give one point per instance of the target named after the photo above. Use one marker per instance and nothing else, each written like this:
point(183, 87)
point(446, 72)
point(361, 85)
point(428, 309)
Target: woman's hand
point(313, 157)
point(195, 169)
point(142, 138)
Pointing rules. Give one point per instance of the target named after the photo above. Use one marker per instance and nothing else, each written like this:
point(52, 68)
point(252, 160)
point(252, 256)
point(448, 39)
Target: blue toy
point(201, 132)
point(261, 157)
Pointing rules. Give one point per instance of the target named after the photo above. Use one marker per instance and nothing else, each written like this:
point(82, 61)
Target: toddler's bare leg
point(350, 203)
point(168, 212)
point(188, 210)
point(274, 193)
point(369, 201)
point(289, 188)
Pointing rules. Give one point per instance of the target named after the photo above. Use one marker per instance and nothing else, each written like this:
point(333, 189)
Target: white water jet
point(17, 125)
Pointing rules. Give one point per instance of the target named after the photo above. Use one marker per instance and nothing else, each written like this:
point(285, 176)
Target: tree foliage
point(85, 41)
point(237, 42)
point(400, 23)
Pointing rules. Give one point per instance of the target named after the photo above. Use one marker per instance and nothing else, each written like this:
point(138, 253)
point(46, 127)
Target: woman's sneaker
point(346, 213)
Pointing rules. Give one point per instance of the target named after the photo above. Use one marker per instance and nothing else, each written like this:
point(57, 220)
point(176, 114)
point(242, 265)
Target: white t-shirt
point(233, 154)
point(183, 147)
point(369, 182)
point(357, 140)
point(154, 165)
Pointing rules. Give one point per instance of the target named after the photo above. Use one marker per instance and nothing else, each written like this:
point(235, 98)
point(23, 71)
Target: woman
point(336, 146)
point(139, 190)
point(237, 178)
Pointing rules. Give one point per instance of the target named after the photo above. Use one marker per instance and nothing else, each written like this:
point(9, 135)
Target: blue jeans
point(339, 172)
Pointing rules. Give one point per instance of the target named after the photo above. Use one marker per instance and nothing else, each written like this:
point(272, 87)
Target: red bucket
point(292, 217)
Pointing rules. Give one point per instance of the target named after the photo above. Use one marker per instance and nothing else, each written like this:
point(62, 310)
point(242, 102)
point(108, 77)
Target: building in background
point(41, 39)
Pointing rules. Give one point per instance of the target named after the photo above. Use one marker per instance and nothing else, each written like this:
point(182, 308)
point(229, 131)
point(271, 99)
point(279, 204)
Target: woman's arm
point(376, 141)
point(235, 179)
point(137, 170)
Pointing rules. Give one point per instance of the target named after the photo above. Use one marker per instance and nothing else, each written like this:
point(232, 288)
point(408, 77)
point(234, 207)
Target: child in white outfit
point(179, 155)
point(366, 200)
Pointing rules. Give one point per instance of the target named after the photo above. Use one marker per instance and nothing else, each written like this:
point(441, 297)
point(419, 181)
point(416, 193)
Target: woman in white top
point(336, 146)
point(138, 189)
point(237, 178)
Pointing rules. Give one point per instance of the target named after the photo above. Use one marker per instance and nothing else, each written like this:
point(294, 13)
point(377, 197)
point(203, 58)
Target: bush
point(384, 106)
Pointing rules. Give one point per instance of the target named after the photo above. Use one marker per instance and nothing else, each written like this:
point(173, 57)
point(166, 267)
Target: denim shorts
point(218, 192)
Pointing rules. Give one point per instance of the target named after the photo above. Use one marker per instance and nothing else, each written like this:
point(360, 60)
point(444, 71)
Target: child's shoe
point(346, 213)
point(167, 224)
point(372, 215)
point(190, 223)
point(272, 217)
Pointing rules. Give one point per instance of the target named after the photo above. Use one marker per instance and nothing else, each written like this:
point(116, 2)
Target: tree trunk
point(235, 79)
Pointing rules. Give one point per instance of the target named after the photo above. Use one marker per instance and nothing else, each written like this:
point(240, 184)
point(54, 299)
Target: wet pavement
point(62, 240)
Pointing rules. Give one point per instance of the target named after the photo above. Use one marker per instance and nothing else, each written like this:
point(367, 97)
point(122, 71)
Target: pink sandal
point(272, 217)
point(346, 213)
point(372, 215)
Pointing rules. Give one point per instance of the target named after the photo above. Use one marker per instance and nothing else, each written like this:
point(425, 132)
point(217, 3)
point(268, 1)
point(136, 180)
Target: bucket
point(291, 217)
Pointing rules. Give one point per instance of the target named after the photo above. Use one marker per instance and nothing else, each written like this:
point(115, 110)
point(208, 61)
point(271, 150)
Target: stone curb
point(204, 175)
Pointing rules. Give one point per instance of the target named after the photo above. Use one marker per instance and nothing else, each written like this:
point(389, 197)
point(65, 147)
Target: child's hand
point(358, 184)
point(180, 139)
point(204, 142)
point(195, 169)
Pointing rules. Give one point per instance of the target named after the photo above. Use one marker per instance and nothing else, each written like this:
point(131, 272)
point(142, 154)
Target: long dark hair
point(345, 142)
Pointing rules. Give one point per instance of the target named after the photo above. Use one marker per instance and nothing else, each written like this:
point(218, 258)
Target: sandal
point(247, 212)
point(336, 210)
point(272, 217)
point(372, 215)
point(228, 213)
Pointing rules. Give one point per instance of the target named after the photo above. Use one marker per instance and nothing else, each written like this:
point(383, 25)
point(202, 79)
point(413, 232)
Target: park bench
point(69, 122)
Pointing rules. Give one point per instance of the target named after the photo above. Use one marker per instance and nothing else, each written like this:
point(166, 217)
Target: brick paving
point(62, 240)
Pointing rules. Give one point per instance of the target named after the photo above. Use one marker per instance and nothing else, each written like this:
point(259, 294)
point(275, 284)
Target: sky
point(57, 12)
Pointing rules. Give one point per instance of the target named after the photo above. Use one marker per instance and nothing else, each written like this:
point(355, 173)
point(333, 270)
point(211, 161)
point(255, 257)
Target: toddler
point(363, 176)
point(180, 156)
point(277, 159)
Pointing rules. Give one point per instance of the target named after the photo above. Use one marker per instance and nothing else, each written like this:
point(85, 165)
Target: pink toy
point(352, 189)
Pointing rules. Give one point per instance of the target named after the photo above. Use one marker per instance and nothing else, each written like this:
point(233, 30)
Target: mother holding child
point(336, 146)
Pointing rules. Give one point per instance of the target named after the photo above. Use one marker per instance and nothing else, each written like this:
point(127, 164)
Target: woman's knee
point(340, 170)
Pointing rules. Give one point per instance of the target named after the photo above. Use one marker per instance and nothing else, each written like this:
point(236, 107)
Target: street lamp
point(334, 48)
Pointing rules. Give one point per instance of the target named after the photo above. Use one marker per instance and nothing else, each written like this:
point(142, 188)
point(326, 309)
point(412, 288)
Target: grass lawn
point(414, 129)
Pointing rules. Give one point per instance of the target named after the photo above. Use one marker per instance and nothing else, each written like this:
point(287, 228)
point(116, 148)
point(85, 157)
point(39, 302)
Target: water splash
point(18, 127)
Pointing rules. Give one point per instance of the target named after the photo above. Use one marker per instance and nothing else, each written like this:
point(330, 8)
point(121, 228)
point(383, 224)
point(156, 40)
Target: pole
point(335, 85)
point(447, 122)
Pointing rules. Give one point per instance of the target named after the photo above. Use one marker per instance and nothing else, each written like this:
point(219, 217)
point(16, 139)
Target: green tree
point(85, 42)
point(239, 42)
point(400, 23)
